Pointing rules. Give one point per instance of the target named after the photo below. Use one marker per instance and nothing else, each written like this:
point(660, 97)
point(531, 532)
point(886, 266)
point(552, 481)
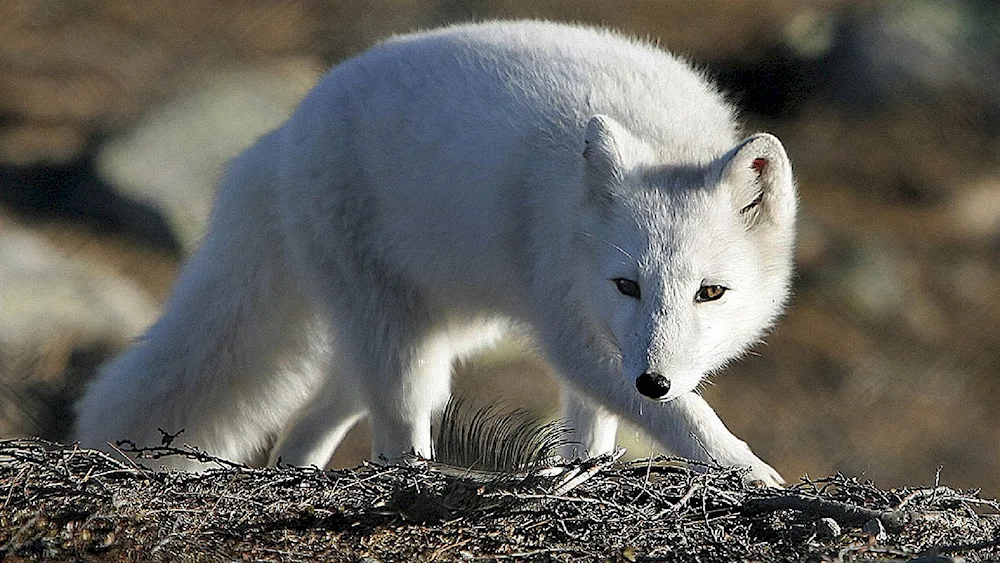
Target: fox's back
point(472, 136)
point(467, 82)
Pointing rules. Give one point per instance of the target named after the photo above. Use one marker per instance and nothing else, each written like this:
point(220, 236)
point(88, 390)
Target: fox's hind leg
point(402, 405)
point(389, 361)
point(392, 359)
point(319, 426)
point(400, 401)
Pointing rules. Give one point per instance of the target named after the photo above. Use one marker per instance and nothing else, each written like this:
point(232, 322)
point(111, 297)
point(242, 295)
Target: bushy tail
point(227, 362)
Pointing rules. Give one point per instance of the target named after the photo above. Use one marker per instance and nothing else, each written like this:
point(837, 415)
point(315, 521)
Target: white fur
point(434, 192)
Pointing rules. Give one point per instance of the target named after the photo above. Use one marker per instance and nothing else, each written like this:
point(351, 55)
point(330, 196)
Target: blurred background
point(116, 118)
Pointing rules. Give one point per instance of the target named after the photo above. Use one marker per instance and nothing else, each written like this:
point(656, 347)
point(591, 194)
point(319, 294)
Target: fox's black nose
point(653, 385)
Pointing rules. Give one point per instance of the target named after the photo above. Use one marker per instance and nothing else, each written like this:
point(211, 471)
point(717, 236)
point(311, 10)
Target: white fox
point(439, 190)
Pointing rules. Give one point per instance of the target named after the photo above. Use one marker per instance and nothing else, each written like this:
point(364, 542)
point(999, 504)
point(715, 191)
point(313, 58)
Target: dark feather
point(496, 439)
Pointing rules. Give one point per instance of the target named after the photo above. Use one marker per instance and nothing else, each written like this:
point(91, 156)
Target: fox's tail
point(225, 362)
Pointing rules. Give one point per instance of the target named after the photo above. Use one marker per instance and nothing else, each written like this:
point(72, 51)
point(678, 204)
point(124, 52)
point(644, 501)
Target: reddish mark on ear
point(759, 164)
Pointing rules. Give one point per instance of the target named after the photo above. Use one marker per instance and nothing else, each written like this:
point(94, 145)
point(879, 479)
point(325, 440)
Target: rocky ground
point(85, 505)
point(116, 119)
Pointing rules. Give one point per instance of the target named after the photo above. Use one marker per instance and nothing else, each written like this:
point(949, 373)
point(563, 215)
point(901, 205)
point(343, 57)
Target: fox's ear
point(603, 159)
point(758, 177)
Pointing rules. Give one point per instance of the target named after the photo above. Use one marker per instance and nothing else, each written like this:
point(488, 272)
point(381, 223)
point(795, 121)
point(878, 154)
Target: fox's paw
point(739, 454)
point(763, 475)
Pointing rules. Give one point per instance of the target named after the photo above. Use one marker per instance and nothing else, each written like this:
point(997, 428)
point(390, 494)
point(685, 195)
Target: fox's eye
point(627, 287)
point(709, 293)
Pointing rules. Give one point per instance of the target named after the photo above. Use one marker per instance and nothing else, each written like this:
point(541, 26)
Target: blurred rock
point(976, 210)
point(920, 51)
point(61, 318)
point(29, 143)
point(174, 156)
point(72, 191)
point(868, 278)
point(71, 71)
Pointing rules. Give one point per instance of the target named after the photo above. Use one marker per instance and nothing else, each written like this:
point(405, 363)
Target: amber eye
point(627, 287)
point(709, 293)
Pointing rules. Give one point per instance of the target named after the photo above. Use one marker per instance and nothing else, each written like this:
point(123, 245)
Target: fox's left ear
point(758, 177)
point(602, 155)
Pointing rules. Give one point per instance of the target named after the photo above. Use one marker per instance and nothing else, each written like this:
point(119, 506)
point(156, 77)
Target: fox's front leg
point(690, 428)
point(592, 428)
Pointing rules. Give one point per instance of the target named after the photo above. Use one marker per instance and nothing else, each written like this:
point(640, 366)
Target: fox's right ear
point(758, 176)
point(603, 159)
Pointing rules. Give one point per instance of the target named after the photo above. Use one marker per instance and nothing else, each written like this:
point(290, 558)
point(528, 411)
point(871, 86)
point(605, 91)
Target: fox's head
point(688, 264)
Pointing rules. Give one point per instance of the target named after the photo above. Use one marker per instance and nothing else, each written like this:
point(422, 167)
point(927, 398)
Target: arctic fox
point(443, 188)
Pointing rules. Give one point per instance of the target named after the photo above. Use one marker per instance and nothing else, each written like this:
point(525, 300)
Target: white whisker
point(611, 244)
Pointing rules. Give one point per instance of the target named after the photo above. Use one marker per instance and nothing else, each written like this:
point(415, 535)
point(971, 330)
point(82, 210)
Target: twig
point(10, 490)
point(534, 496)
point(687, 497)
point(438, 552)
point(544, 550)
point(587, 470)
point(823, 508)
point(125, 456)
point(942, 494)
point(920, 493)
point(965, 546)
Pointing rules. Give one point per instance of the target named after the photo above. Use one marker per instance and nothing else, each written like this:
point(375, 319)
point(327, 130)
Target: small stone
point(875, 529)
point(826, 529)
